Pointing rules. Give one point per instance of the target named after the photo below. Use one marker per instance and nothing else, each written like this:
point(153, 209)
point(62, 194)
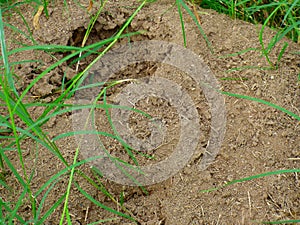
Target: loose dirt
point(258, 138)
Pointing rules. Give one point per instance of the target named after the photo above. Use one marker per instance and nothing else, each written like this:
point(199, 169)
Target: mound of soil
point(258, 138)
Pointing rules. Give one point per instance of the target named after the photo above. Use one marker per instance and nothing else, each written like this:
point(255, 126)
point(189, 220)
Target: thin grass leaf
point(65, 208)
point(247, 67)
point(239, 53)
point(15, 29)
point(68, 217)
point(181, 22)
point(289, 29)
point(276, 172)
point(6, 206)
point(26, 133)
point(89, 29)
point(240, 3)
point(122, 198)
point(30, 37)
point(270, 46)
point(125, 145)
point(48, 48)
point(124, 163)
point(104, 221)
point(1, 213)
point(95, 49)
point(13, 170)
point(51, 210)
point(96, 171)
point(89, 197)
point(2, 182)
point(62, 172)
point(63, 48)
point(81, 132)
point(281, 52)
point(280, 222)
point(21, 111)
point(45, 4)
point(182, 3)
point(42, 202)
point(7, 73)
point(13, 214)
point(289, 11)
point(8, 7)
point(256, 8)
point(35, 80)
point(92, 85)
point(297, 117)
point(117, 162)
point(11, 64)
point(281, 35)
point(99, 186)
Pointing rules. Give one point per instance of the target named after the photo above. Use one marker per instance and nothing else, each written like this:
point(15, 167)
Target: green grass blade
point(247, 67)
point(263, 102)
point(263, 49)
point(239, 53)
point(89, 197)
point(12, 168)
point(8, 75)
point(15, 29)
point(181, 22)
point(62, 172)
point(65, 208)
point(104, 221)
point(17, 206)
point(2, 182)
point(281, 52)
point(289, 11)
point(42, 202)
point(81, 132)
point(182, 3)
point(7, 7)
point(276, 172)
point(256, 8)
point(90, 27)
point(30, 37)
point(11, 64)
point(21, 111)
point(127, 148)
point(280, 222)
point(68, 217)
point(289, 29)
point(9, 210)
point(51, 210)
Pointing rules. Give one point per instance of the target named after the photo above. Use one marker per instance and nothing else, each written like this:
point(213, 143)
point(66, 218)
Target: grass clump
point(286, 19)
point(17, 124)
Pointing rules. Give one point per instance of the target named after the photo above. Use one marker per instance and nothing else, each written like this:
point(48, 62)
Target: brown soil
point(258, 138)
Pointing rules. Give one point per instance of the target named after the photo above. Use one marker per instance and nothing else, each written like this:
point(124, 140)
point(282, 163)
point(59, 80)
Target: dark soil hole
point(97, 34)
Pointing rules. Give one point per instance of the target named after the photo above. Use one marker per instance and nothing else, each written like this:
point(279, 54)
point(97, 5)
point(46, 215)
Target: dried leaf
point(89, 8)
point(36, 18)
